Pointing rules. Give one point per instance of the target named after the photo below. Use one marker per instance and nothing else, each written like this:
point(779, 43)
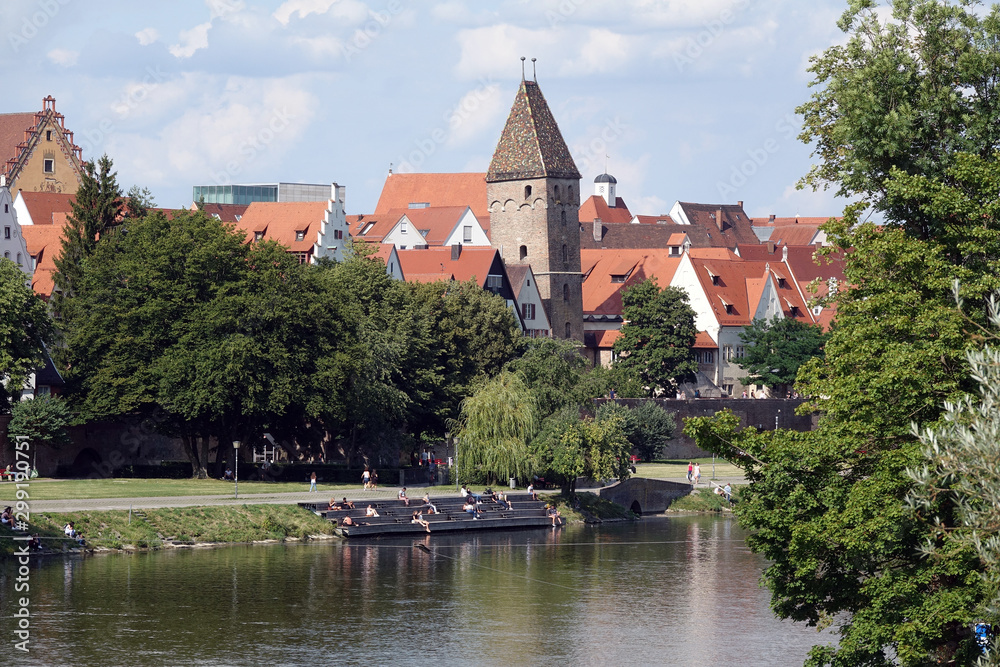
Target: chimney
point(784, 253)
point(740, 203)
point(598, 229)
point(770, 247)
point(718, 219)
point(456, 252)
point(771, 218)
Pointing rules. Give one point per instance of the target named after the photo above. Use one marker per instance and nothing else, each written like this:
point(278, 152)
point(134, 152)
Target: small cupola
point(604, 186)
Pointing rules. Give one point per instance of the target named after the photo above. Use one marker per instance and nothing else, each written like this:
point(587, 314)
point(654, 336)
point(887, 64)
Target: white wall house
point(436, 226)
point(12, 244)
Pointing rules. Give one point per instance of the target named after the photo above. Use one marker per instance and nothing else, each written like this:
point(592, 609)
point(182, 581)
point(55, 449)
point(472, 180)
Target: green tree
point(655, 344)
point(25, 330)
point(585, 447)
point(554, 370)
point(775, 349)
point(45, 420)
point(496, 423)
point(647, 426)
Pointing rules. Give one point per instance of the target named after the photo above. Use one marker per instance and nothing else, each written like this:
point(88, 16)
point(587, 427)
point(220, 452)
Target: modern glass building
point(247, 194)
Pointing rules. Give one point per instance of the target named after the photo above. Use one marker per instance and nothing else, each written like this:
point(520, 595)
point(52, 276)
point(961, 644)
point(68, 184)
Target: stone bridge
point(645, 496)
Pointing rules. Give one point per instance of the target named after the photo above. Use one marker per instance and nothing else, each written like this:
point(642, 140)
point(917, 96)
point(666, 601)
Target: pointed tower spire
point(531, 145)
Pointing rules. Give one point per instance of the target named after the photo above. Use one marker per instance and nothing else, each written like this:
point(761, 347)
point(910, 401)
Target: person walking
point(312, 482)
point(697, 473)
point(690, 471)
point(366, 478)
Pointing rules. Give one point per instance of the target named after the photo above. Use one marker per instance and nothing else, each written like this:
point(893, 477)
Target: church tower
point(533, 190)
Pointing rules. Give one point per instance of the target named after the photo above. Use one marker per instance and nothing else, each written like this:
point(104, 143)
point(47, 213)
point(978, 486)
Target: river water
point(663, 591)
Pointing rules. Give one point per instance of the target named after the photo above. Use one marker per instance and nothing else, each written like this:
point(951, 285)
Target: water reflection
point(680, 591)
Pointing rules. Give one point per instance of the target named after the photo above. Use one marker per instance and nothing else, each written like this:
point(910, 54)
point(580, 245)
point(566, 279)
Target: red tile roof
point(462, 189)
point(602, 339)
point(602, 295)
point(781, 222)
point(433, 264)
point(45, 245)
point(381, 225)
point(739, 283)
point(43, 205)
point(655, 231)
point(225, 212)
point(703, 340)
point(597, 207)
point(12, 129)
point(281, 221)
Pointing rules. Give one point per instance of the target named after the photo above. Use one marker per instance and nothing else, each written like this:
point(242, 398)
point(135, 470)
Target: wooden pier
point(395, 517)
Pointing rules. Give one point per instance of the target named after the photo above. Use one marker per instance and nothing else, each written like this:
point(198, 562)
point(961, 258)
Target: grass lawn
point(148, 488)
point(678, 469)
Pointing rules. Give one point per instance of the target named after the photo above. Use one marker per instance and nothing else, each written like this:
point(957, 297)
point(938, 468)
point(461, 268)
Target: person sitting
point(69, 530)
point(35, 542)
point(502, 499)
point(718, 490)
point(402, 496)
point(470, 508)
point(431, 509)
point(371, 511)
point(348, 521)
point(346, 504)
point(489, 495)
point(531, 492)
point(420, 520)
point(553, 513)
point(7, 517)
point(333, 504)
point(8, 472)
point(228, 475)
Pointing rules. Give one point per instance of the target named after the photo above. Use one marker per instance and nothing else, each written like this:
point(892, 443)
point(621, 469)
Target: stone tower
point(533, 190)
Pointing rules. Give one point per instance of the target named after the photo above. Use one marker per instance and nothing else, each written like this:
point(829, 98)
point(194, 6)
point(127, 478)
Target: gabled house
point(388, 255)
point(790, 231)
point(529, 301)
point(484, 266)
point(12, 244)
point(705, 225)
point(37, 152)
point(727, 293)
point(310, 230)
point(44, 243)
point(421, 227)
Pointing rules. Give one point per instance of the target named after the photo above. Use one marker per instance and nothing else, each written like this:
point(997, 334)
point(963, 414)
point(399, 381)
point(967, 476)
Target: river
point(679, 590)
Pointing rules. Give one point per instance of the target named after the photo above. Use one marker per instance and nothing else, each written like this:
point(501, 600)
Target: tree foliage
point(45, 420)
point(496, 424)
point(586, 447)
point(25, 330)
point(646, 425)
point(657, 337)
point(775, 349)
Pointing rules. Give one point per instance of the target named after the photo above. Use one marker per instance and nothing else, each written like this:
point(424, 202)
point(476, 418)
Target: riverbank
point(704, 500)
point(174, 527)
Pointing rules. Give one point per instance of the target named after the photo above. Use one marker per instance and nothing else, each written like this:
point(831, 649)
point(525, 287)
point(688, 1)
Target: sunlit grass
point(82, 489)
point(677, 469)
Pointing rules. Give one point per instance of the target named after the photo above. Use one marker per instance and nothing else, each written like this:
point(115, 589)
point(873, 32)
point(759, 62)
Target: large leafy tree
point(25, 330)
point(571, 446)
point(647, 425)
point(775, 349)
point(905, 120)
point(655, 343)
point(45, 420)
point(554, 369)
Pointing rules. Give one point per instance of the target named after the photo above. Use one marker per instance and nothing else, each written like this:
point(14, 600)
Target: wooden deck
point(395, 517)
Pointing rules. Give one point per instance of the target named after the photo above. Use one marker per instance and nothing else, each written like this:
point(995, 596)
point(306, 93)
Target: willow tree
point(496, 423)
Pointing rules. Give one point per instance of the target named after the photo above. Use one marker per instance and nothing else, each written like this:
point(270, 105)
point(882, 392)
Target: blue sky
point(692, 100)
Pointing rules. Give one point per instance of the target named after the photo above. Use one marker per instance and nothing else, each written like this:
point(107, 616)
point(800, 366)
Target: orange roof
point(433, 264)
point(604, 339)
point(283, 221)
point(43, 205)
point(781, 222)
point(704, 340)
point(739, 284)
point(370, 227)
point(44, 245)
point(613, 270)
point(12, 129)
point(597, 207)
point(793, 234)
point(462, 189)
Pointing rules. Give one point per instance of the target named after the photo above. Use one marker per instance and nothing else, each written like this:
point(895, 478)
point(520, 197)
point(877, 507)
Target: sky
point(690, 100)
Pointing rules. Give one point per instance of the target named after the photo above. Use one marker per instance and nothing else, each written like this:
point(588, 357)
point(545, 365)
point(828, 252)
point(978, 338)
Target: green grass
point(151, 528)
point(678, 469)
point(703, 500)
point(67, 489)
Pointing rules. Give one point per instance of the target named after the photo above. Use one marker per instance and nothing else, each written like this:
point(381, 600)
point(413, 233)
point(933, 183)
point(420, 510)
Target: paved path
point(359, 496)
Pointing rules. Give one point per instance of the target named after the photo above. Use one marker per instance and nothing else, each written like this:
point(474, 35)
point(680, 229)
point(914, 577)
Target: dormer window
point(795, 311)
point(618, 277)
point(300, 236)
point(367, 228)
point(782, 282)
point(675, 250)
point(258, 236)
point(715, 278)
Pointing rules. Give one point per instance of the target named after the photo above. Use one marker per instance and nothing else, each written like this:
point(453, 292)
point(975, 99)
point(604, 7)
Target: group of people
point(726, 491)
point(369, 478)
point(694, 473)
point(70, 531)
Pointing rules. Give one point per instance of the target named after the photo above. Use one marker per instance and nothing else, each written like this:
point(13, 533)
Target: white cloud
point(147, 36)
point(191, 41)
point(321, 47)
point(479, 111)
point(63, 57)
point(349, 10)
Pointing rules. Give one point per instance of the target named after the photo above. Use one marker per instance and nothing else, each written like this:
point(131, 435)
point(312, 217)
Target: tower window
point(527, 191)
point(570, 194)
point(565, 254)
point(557, 193)
point(566, 293)
point(49, 166)
point(19, 263)
point(523, 252)
point(562, 218)
point(569, 331)
point(6, 232)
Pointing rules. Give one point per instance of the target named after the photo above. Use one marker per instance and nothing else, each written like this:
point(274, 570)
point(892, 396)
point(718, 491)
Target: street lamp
point(236, 455)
